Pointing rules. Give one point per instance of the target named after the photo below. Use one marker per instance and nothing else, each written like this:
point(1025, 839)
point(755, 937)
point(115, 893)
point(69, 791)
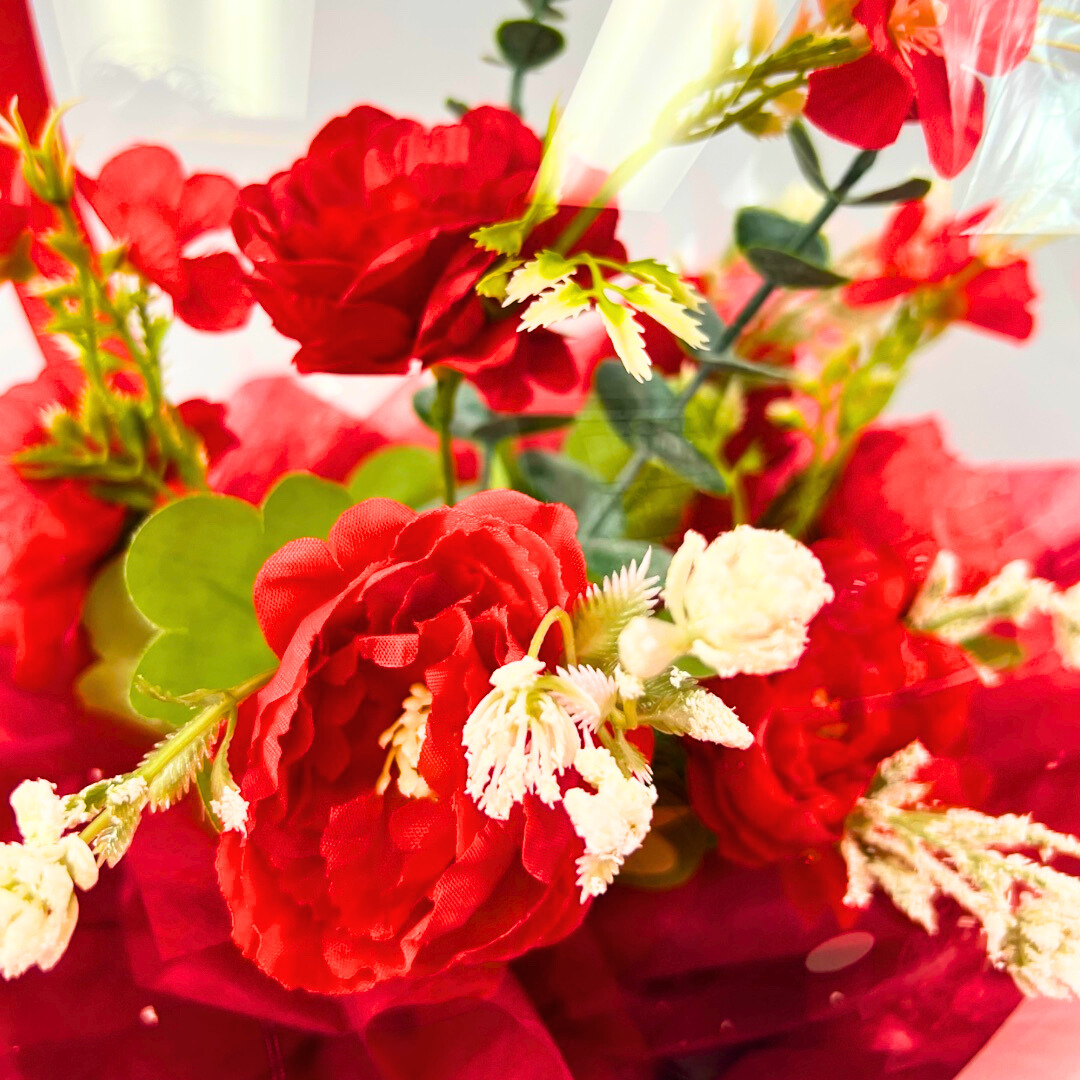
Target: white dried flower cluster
point(38, 907)
point(1064, 610)
point(1029, 912)
point(519, 739)
point(740, 604)
point(232, 809)
point(1013, 595)
point(658, 293)
point(612, 821)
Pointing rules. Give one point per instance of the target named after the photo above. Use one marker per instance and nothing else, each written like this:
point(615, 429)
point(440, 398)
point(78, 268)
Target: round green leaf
point(410, 474)
point(525, 44)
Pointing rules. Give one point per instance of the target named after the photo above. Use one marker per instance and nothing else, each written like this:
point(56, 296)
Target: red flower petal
point(206, 203)
point(997, 300)
point(216, 296)
point(950, 111)
point(863, 103)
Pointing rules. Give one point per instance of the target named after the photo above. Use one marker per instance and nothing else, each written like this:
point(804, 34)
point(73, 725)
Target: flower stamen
point(405, 739)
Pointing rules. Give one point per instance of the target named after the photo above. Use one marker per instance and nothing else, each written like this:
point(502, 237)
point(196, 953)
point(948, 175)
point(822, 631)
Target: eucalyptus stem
point(442, 416)
point(731, 334)
point(517, 87)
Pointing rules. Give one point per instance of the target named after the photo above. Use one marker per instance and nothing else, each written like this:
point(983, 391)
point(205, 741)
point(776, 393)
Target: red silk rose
point(54, 535)
point(913, 254)
point(362, 250)
point(865, 687)
point(144, 199)
point(336, 887)
point(922, 64)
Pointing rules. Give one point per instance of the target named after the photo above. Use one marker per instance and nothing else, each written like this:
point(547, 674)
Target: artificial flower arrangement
point(636, 700)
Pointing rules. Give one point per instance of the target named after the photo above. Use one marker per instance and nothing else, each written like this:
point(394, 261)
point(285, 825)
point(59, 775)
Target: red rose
point(920, 68)
point(144, 199)
point(913, 254)
point(362, 251)
point(336, 886)
point(865, 687)
point(53, 536)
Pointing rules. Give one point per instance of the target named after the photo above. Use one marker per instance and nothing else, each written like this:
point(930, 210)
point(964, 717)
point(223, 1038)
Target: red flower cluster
point(336, 886)
point(144, 199)
point(362, 250)
point(865, 687)
point(920, 65)
point(914, 253)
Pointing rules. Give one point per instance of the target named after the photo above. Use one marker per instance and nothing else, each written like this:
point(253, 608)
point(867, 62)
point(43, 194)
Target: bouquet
point(623, 698)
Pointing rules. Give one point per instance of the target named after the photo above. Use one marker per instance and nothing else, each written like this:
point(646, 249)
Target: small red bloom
point(914, 254)
point(54, 535)
point(144, 199)
point(922, 64)
point(336, 886)
point(362, 251)
point(865, 687)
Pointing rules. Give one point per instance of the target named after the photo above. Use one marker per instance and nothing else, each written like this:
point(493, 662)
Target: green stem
point(555, 615)
point(517, 87)
point(197, 727)
point(442, 415)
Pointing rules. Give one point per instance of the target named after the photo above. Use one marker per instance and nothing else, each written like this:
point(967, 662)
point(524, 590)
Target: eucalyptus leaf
point(756, 227)
point(806, 157)
point(555, 478)
point(470, 412)
point(647, 416)
point(526, 44)
point(910, 191)
point(791, 272)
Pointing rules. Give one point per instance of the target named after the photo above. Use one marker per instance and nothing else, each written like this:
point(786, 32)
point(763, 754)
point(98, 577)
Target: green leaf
point(118, 635)
point(509, 425)
point(410, 474)
point(456, 107)
point(647, 416)
point(190, 571)
point(555, 478)
point(544, 9)
point(606, 555)
point(759, 228)
point(789, 271)
point(806, 157)
point(992, 651)
point(662, 275)
point(301, 505)
point(910, 191)
point(526, 44)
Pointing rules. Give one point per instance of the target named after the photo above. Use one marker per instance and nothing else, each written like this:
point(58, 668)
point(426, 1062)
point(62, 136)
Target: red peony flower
point(922, 64)
point(913, 254)
point(336, 886)
point(362, 251)
point(865, 687)
point(53, 536)
point(144, 199)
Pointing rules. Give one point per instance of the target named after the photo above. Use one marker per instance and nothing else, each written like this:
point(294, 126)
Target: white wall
point(240, 86)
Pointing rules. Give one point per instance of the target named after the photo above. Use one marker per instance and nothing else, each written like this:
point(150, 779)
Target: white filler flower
point(613, 821)
point(38, 908)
